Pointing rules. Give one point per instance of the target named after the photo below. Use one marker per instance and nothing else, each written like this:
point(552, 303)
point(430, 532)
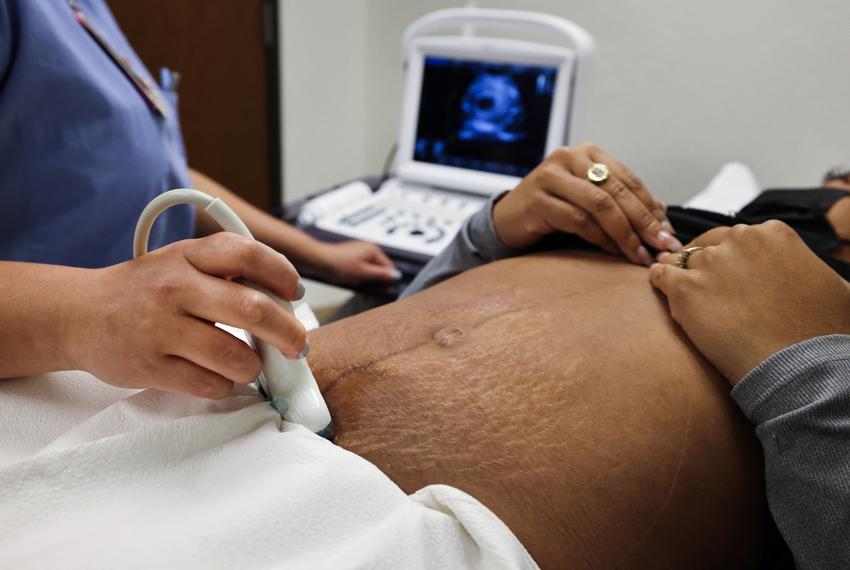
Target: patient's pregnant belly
point(557, 391)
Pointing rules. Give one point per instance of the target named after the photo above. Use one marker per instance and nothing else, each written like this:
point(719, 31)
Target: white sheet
point(730, 190)
point(93, 476)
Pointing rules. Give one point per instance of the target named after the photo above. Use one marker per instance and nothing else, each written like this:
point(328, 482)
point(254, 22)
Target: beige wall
point(325, 116)
point(679, 87)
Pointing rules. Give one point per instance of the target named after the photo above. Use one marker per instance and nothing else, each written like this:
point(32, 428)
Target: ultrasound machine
point(478, 114)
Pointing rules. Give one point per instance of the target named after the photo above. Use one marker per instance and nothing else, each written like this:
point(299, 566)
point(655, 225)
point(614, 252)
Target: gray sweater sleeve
point(799, 400)
point(475, 244)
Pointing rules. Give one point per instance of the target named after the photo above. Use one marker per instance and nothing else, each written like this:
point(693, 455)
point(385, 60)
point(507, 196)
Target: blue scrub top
point(81, 152)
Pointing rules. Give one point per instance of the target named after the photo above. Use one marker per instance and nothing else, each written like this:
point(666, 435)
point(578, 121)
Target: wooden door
point(226, 54)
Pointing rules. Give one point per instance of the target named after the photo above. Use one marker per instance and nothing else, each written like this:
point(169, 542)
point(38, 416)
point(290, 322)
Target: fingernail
point(644, 256)
point(396, 275)
point(668, 226)
point(668, 240)
point(305, 351)
point(300, 290)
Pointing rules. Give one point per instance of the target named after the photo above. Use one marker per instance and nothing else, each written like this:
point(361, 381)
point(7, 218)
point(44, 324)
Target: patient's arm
point(556, 390)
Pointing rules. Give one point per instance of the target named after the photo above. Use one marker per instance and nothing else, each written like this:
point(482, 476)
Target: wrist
point(313, 256)
point(507, 225)
point(60, 296)
point(304, 251)
point(75, 329)
point(793, 378)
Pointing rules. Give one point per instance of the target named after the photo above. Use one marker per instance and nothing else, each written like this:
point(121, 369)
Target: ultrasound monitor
point(478, 114)
point(484, 115)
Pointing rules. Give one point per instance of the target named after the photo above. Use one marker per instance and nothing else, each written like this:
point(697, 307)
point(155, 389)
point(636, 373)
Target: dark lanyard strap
point(142, 85)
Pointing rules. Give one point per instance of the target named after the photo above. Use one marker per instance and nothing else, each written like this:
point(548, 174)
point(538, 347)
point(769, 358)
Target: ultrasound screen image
point(484, 115)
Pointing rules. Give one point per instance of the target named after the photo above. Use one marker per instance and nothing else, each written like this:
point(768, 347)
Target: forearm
point(798, 400)
point(300, 248)
point(38, 312)
point(475, 244)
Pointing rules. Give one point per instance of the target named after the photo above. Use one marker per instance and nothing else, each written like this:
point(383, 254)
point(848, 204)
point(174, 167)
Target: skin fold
point(556, 389)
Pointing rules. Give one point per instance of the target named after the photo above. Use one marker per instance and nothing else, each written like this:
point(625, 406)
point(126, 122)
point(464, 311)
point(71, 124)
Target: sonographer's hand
point(617, 215)
point(148, 323)
point(355, 262)
point(753, 291)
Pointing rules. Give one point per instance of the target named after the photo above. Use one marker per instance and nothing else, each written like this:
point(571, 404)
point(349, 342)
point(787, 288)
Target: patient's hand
point(753, 291)
point(148, 323)
point(557, 197)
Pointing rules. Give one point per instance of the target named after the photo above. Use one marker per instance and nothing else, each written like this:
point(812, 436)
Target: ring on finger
point(685, 255)
point(597, 173)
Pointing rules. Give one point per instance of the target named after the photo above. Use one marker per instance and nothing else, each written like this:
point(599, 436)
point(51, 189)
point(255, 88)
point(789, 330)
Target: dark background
point(444, 84)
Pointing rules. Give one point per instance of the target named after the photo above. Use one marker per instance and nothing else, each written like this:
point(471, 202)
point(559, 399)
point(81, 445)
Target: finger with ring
point(685, 255)
point(597, 173)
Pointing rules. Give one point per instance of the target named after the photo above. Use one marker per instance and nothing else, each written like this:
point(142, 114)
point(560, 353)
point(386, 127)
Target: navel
point(448, 336)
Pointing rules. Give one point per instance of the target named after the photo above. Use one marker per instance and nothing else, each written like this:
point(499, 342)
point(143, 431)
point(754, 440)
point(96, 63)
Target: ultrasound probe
point(288, 384)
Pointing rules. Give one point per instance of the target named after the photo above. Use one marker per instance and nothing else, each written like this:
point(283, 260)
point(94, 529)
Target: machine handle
point(581, 40)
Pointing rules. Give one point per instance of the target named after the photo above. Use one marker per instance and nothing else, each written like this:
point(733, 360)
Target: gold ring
point(597, 173)
point(685, 255)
